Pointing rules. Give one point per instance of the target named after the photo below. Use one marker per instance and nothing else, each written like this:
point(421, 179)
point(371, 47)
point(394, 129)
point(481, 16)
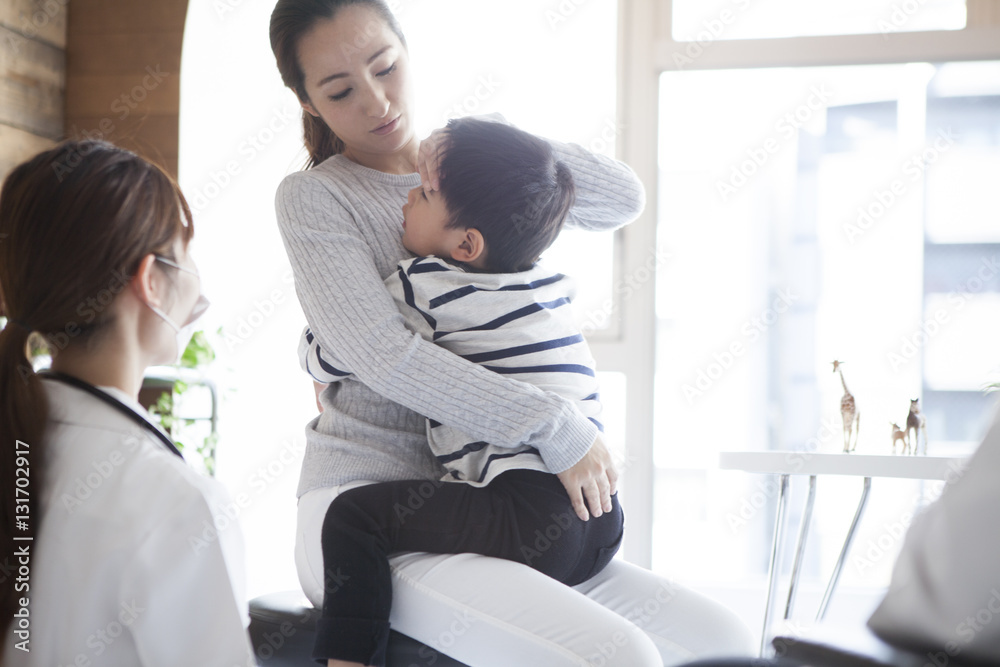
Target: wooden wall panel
point(32, 78)
point(123, 74)
point(41, 20)
point(122, 17)
point(16, 146)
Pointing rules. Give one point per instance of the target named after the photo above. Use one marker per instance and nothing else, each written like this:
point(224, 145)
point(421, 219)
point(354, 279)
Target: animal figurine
point(916, 422)
point(849, 412)
point(899, 436)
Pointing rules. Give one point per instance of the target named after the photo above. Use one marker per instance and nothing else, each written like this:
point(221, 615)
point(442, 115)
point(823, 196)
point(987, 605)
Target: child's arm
point(320, 364)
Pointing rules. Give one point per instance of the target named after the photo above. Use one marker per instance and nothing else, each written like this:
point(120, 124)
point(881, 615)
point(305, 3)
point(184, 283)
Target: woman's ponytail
point(320, 140)
point(22, 425)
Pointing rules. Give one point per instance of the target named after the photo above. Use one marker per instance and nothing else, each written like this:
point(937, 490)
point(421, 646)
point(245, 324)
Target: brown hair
point(75, 222)
point(290, 20)
point(509, 185)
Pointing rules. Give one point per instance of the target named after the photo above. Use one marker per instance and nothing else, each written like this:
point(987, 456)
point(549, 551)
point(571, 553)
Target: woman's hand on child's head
point(429, 158)
point(593, 477)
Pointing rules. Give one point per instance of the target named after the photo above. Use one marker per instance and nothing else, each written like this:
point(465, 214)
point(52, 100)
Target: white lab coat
point(129, 567)
point(944, 597)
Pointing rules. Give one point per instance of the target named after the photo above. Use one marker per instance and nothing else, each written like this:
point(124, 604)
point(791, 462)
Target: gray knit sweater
point(341, 224)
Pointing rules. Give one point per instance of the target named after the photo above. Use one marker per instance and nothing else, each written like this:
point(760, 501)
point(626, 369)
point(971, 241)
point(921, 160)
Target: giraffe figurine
point(849, 412)
point(899, 436)
point(916, 422)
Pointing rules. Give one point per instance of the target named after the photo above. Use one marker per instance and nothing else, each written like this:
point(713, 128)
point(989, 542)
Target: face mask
point(184, 332)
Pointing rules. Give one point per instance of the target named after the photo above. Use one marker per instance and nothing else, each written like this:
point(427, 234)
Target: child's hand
point(429, 157)
point(318, 387)
point(594, 477)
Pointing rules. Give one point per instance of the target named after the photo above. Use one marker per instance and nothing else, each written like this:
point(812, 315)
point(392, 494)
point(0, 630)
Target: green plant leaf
point(199, 352)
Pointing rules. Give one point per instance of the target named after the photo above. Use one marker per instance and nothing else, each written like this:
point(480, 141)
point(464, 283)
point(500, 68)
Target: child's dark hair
point(507, 184)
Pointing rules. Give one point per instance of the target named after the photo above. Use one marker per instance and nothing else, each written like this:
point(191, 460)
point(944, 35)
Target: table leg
point(843, 552)
point(772, 574)
point(800, 546)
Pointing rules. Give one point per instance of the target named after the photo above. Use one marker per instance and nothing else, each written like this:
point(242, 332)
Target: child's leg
point(523, 516)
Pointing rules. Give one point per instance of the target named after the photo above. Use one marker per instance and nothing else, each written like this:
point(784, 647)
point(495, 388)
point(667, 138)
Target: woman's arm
point(608, 193)
point(350, 311)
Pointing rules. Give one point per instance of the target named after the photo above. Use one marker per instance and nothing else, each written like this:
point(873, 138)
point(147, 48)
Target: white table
point(785, 464)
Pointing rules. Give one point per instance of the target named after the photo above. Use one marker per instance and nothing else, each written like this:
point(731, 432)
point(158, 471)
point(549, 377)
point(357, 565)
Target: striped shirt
point(516, 324)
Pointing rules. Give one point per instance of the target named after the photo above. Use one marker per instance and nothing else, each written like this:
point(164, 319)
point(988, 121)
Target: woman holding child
point(341, 225)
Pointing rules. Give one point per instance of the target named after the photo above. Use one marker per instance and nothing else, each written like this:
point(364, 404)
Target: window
point(693, 20)
point(814, 214)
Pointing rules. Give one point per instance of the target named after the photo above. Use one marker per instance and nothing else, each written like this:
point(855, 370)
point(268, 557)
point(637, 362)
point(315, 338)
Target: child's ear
point(471, 247)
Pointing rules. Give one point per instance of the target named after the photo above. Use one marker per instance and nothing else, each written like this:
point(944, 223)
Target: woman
point(340, 223)
point(122, 565)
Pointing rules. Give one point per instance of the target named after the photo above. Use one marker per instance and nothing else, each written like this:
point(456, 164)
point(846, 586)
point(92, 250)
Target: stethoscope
point(115, 403)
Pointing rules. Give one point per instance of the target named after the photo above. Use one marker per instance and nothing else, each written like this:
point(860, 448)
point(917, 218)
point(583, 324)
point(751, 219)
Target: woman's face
point(358, 81)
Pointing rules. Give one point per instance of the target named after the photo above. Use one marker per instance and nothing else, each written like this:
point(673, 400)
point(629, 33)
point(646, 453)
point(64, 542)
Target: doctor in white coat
point(113, 553)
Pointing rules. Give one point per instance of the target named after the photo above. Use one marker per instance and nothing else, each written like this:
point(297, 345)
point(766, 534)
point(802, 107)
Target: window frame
point(646, 49)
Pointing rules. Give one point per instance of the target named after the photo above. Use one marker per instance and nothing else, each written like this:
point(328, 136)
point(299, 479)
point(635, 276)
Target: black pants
point(522, 515)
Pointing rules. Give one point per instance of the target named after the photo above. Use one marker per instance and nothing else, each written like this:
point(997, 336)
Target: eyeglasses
point(176, 265)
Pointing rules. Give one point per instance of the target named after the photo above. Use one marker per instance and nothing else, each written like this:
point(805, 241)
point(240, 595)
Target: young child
point(476, 289)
